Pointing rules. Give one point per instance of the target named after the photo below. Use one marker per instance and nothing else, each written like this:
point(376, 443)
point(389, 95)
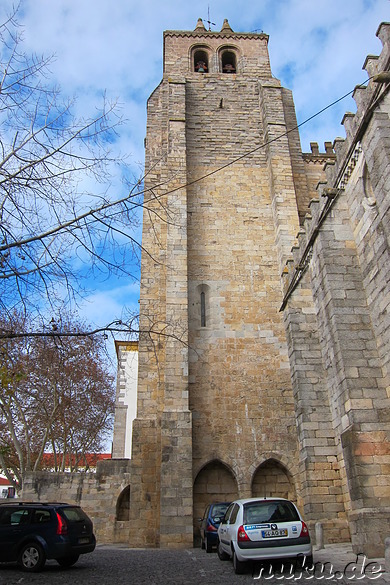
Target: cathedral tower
point(223, 168)
point(245, 390)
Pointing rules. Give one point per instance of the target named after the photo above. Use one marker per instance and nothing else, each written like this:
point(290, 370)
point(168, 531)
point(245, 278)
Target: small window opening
point(201, 62)
point(229, 62)
point(202, 309)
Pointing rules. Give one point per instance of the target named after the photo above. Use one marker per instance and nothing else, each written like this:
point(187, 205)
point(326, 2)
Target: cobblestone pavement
point(117, 565)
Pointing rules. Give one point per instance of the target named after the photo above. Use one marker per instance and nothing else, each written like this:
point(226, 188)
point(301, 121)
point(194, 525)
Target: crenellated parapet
point(315, 156)
point(340, 158)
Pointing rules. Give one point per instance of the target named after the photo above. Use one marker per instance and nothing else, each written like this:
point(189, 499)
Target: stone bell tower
point(225, 182)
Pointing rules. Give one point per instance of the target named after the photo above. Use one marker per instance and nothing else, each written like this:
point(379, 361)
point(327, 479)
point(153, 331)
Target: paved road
point(116, 565)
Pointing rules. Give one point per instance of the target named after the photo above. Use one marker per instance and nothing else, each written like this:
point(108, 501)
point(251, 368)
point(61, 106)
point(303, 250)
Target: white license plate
point(83, 540)
point(273, 533)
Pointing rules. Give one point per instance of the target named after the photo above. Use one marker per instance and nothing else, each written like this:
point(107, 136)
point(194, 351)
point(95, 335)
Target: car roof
point(34, 504)
point(261, 499)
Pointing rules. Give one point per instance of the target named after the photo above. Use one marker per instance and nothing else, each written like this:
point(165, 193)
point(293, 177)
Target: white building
point(126, 398)
point(6, 488)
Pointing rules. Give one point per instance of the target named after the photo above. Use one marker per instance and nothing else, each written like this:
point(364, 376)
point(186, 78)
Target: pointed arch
point(122, 511)
point(273, 479)
point(215, 482)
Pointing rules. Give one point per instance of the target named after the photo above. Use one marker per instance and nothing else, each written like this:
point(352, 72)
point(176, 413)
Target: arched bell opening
point(200, 61)
point(229, 62)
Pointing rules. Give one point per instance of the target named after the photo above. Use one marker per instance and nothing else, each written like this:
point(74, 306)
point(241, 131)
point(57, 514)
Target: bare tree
point(56, 395)
point(58, 220)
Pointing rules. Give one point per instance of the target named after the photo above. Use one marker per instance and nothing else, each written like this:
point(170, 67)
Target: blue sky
point(316, 48)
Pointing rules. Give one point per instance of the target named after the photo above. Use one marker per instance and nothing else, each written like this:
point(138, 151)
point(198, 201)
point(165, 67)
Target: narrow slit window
point(202, 309)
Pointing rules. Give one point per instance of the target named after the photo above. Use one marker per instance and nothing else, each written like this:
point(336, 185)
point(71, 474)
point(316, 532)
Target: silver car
point(263, 528)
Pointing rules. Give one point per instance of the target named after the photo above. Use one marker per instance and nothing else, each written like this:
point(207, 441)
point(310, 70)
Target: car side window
point(41, 516)
point(5, 517)
point(227, 514)
point(233, 516)
point(12, 517)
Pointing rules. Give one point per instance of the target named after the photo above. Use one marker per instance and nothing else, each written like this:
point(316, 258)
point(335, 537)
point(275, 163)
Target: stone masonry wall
point(97, 493)
point(342, 261)
point(238, 361)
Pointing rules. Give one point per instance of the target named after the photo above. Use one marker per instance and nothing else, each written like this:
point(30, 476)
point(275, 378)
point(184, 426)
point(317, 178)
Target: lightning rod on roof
point(208, 16)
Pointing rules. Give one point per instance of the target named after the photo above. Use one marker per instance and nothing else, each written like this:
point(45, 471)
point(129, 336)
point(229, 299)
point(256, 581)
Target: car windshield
point(219, 510)
point(269, 511)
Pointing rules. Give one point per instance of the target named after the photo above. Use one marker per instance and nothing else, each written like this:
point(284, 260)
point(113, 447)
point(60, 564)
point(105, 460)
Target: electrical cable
point(263, 145)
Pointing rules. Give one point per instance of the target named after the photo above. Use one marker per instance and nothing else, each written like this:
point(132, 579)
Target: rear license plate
point(273, 533)
point(83, 540)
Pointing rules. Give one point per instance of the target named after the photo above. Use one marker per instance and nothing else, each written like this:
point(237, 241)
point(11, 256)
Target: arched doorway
point(123, 505)
point(272, 479)
point(215, 482)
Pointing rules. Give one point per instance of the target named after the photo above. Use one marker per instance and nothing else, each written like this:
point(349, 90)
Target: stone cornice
point(309, 157)
point(207, 35)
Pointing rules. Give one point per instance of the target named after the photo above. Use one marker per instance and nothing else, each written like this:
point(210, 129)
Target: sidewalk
point(345, 566)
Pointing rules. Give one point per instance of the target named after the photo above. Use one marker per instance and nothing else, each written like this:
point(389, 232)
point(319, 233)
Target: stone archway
point(215, 482)
point(123, 505)
point(273, 479)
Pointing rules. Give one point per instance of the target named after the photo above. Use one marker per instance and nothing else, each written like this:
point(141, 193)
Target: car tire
point(68, 561)
point(208, 546)
point(222, 555)
point(31, 557)
point(239, 566)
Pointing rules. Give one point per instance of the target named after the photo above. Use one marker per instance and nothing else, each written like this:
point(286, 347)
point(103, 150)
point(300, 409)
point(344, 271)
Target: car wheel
point(32, 557)
point(239, 566)
point(221, 553)
point(68, 561)
point(208, 546)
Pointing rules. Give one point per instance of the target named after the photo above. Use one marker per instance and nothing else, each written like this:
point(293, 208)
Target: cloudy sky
point(317, 49)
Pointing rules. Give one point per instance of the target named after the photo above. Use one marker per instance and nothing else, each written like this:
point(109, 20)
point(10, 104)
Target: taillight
point(242, 535)
point(62, 527)
point(304, 530)
point(211, 528)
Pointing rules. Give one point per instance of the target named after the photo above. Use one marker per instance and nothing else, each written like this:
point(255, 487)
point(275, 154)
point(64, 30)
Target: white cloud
point(109, 304)
point(316, 48)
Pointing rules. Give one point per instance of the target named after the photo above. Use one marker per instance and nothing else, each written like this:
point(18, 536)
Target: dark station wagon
point(31, 533)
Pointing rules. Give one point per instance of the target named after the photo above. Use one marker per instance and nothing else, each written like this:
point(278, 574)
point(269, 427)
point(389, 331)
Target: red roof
point(4, 481)
point(92, 459)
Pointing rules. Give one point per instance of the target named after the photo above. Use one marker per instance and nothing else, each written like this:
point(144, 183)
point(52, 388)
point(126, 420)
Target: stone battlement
point(344, 155)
